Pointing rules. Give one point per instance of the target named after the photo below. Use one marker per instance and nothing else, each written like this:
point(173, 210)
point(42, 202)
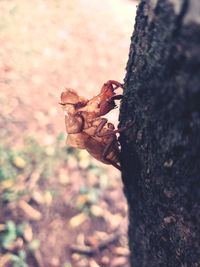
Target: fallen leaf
point(119, 262)
point(96, 211)
point(93, 263)
point(19, 162)
point(121, 251)
point(38, 197)
point(28, 233)
point(84, 163)
point(48, 198)
point(7, 183)
point(78, 220)
point(31, 212)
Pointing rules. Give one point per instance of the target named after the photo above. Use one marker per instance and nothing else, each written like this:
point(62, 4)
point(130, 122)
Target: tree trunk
point(160, 155)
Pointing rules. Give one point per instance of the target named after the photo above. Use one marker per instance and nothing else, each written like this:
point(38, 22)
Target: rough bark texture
point(161, 153)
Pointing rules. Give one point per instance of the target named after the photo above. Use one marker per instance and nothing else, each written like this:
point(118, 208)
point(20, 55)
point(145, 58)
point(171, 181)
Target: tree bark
point(160, 154)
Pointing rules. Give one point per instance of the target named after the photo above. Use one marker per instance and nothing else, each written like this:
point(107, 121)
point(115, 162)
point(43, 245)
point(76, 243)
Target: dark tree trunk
point(161, 153)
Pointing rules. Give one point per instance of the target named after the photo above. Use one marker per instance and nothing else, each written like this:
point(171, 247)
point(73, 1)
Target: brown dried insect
point(87, 129)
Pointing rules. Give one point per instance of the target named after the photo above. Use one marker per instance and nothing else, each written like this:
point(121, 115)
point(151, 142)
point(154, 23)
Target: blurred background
point(58, 206)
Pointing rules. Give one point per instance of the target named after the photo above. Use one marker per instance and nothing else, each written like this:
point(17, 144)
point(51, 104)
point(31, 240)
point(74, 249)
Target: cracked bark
point(160, 155)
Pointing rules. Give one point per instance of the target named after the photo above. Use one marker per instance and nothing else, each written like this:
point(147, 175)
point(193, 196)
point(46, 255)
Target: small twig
point(34, 178)
point(86, 250)
point(91, 250)
point(104, 243)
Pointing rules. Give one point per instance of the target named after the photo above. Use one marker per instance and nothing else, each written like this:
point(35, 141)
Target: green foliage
point(32, 157)
point(6, 168)
point(17, 165)
point(34, 245)
point(67, 264)
point(10, 234)
point(19, 260)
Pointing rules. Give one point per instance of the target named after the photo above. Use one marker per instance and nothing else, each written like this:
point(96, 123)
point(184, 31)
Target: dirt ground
point(47, 46)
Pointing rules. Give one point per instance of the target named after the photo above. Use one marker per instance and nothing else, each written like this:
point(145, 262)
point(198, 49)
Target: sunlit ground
point(53, 197)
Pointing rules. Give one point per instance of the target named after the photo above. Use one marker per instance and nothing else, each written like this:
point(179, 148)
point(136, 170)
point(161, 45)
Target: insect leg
point(109, 147)
point(100, 126)
point(114, 97)
point(117, 84)
point(113, 132)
